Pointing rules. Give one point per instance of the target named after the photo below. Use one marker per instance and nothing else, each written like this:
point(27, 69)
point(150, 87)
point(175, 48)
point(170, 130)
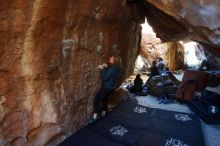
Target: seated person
point(138, 85)
point(153, 72)
point(160, 65)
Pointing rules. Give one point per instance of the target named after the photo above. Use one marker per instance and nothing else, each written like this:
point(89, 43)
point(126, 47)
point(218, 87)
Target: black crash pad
point(133, 125)
point(117, 132)
point(153, 139)
point(132, 115)
point(203, 111)
point(176, 116)
point(181, 125)
point(87, 137)
point(191, 133)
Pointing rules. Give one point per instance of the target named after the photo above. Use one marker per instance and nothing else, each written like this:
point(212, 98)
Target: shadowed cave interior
point(50, 50)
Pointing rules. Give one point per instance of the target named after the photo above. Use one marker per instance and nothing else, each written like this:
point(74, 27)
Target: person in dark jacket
point(138, 85)
point(109, 75)
point(160, 65)
point(153, 72)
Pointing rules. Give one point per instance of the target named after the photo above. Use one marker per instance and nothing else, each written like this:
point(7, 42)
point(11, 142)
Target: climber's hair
point(117, 58)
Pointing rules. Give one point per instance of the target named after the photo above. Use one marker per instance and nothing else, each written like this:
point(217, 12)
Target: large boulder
point(186, 19)
point(49, 52)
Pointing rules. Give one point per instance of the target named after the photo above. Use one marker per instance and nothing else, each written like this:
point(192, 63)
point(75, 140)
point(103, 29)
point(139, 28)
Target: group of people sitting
point(157, 68)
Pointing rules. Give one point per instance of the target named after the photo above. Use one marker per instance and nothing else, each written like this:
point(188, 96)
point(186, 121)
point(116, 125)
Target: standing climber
point(109, 75)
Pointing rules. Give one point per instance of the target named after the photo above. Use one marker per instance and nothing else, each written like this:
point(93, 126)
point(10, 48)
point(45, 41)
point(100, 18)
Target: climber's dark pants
point(102, 96)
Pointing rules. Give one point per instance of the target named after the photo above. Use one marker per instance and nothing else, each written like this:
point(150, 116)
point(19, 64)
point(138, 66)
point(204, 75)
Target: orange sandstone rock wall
point(197, 20)
point(49, 52)
point(175, 56)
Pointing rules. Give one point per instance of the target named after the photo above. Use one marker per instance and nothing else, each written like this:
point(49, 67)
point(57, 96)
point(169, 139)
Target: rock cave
point(50, 50)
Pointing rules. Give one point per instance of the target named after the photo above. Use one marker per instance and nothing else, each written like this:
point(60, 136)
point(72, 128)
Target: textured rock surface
point(49, 51)
point(186, 19)
point(175, 56)
point(148, 48)
point(172, 54)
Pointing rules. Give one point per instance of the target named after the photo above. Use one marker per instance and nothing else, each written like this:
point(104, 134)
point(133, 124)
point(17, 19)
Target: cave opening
point(151, 48)
point(190, 54)
point(50, 50)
